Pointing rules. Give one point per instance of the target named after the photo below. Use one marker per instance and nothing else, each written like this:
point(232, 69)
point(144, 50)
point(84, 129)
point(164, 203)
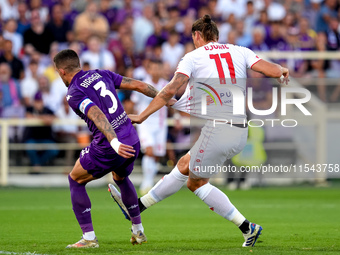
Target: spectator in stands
point(38, 37)
point(327, 11)
point(116, 46)
point(243, 38)
point(258, 43)
point(17, 67)
point(297, 67)
point(227, 7)
point(311, 12)
point(173, 19)
point(23, 22)
point(43, 134)
point(66, 133)
point(143, 28)
point(127, 10)
point(41, 8)
point(11, 94)
point(10, 100)
point(250, 17)
point(97, 55)
point(232, 37)
point(275, 40)
point(76, 47)
point(130, 57)
point(9, 9)
point(263, 21)
point(70, 13)
point(158, 37)
point(172, 50)
point(90, 23)
point(186, 34)
point(333, 35)
point(225, 27)
point(50, 71)
point(307, 35)
point(10, 33)
point(29, 85)
point(161, 11)
point(50, 96)
point(60, 27)
point(108, 12)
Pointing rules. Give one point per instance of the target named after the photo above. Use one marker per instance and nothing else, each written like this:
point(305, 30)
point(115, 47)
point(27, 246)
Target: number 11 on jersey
point(227, 57)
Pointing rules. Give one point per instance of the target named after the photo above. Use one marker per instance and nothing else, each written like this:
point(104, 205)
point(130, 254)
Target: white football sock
point(219, 203)
point(149, 167)
point(89, 235)
point(168, 185)
point(137, 227)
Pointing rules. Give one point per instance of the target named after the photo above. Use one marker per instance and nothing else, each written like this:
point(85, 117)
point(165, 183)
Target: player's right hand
point(284, 79)
point(126, 151)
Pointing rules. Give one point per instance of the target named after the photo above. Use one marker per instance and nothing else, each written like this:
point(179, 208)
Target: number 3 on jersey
point(104, 92)
point(227, 57)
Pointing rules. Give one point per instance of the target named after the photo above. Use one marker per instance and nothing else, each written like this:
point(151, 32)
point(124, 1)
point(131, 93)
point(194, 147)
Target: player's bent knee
point(194, 184)
point(149, 151)
point(116, 177)
point(183, 164)
point(78, 179)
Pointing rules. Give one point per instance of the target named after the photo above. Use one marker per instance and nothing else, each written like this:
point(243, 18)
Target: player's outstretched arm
point(271, 70)
point(102, 123)
point(162, 98)
point(142, 87)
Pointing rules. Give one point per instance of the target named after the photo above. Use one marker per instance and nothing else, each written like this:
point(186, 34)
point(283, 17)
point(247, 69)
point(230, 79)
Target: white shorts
point(153, 136)
point(214, 146)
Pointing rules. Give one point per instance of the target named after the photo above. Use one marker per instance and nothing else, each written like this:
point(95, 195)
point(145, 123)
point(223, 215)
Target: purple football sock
point(130, 199)
point(81, 205)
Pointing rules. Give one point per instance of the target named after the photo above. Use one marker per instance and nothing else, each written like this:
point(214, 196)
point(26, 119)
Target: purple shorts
point(99, 164)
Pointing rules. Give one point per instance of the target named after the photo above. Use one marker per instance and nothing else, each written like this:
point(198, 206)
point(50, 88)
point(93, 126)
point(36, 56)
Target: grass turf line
point(295, 221)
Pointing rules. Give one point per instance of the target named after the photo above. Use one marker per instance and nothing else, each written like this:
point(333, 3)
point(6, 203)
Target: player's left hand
point(126, 151)
point(135, 119)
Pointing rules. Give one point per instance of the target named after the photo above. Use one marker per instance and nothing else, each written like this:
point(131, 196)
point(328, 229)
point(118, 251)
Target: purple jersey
point(98, 87)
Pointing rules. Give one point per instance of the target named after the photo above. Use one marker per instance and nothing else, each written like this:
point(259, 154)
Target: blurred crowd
point(123, 35)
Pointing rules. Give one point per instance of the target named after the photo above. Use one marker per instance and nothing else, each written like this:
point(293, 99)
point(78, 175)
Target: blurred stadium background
point(123, 36)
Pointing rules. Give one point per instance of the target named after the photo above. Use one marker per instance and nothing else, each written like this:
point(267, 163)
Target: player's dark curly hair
point(207, 27)
point(67, 60)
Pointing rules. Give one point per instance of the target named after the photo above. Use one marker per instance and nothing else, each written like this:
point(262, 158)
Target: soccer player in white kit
point(152, 132)
point(216, 144)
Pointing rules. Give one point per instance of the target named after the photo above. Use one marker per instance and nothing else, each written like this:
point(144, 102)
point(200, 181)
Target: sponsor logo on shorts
point(84, 151)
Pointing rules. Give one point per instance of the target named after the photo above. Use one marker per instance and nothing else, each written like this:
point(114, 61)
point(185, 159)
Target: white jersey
point(215, 71)
point(158, 119)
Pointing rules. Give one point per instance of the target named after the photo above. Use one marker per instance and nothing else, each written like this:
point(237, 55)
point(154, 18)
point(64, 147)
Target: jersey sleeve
point(79, 101)
point(250, 57)
point(116, 78)
point(185, 66)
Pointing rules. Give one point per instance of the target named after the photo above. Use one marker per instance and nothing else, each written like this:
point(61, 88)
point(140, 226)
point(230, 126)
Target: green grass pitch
point(295, 221)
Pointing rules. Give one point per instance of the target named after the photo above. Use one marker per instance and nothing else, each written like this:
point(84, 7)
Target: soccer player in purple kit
point(115, 146)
